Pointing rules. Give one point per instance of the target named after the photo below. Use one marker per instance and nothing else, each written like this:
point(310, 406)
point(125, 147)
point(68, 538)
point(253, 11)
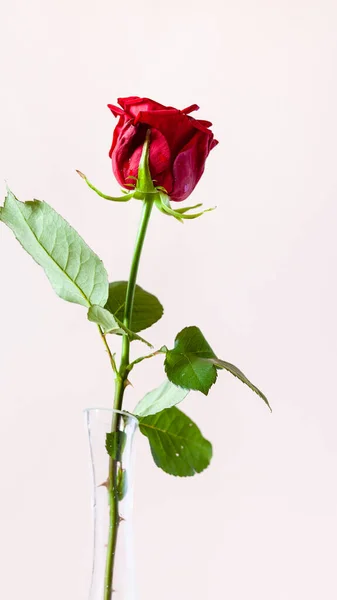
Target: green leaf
point(176, 443)
point(165, 396)
point(222, 364)
point(75, 272)
point(104, 318)
point(122, 484)
point(109, 324)
point(115, 444)
point(192, 364)
point(185, 364)
point(147, 309)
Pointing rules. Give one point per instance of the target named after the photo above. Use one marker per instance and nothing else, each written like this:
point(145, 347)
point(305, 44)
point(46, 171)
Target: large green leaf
point(146, 307)
point(185, 364)
point(104, 318)
point(176, 443)
point(192, 364)
point(110, 324)
point(165, 396)
point(75, 272)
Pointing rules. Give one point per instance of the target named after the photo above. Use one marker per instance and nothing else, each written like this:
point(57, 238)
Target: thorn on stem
point(80, 174)
point(105, 484)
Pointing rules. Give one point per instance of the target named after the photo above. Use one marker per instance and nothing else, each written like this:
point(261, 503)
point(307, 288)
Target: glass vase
point(113, 564)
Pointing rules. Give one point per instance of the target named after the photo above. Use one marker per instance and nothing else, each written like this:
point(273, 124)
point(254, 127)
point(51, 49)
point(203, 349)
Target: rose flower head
point(179, 145)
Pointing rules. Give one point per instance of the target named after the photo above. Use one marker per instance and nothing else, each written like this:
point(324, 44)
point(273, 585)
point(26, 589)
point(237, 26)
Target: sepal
point(127, 194)
point(162, 202)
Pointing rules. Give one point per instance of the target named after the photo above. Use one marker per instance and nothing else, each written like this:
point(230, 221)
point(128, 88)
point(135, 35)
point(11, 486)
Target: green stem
point(113, 503)
point(121, 381)
point(130, 292)
point(111, 357)
point(141, 358)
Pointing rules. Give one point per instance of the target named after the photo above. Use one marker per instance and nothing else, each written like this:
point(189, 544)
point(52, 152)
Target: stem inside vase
point(113, 551)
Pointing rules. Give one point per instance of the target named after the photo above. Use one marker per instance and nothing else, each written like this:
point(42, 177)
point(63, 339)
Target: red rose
point(179, 144)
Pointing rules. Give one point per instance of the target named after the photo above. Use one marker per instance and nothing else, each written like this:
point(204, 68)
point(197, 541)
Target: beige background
point(258, 276)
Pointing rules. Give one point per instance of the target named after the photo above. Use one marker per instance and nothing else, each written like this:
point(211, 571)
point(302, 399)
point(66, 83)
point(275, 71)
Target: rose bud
point(179, 145)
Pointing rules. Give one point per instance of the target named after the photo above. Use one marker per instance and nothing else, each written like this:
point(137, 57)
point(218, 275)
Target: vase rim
point(99, 409)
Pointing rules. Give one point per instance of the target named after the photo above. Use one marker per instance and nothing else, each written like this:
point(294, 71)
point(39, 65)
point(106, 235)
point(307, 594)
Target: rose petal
point(189, 166)
point(134, 105)
point(116, 111)
point(190, 109)
point(175, 126)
